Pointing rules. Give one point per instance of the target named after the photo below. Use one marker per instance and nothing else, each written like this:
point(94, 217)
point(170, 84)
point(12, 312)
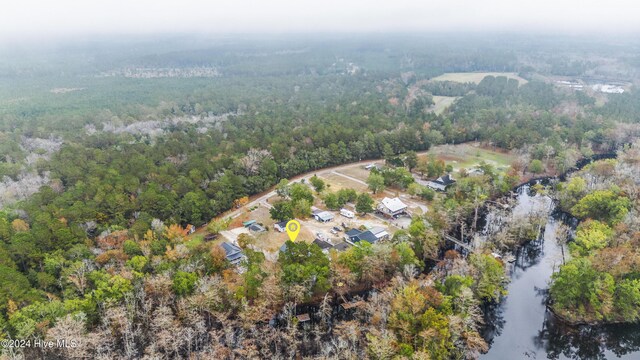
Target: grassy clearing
point(442, 103)
point(194, 241)
point(340, 182)
point(476, 77)
point(470, 155)
point(358, 172)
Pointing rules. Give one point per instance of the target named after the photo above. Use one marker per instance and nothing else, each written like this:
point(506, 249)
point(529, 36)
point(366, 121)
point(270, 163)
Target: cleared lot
point(442, 103)
point(471, 154)
point(338, 182)
point(476, 77)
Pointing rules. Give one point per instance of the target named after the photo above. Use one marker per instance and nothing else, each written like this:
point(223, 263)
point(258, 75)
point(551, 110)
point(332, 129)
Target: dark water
point(522, 328)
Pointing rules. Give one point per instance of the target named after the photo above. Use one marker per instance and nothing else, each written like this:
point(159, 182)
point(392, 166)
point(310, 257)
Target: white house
point(392, 207)
point(280, 226)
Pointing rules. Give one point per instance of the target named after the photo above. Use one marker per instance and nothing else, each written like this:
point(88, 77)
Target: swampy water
point(520, 327)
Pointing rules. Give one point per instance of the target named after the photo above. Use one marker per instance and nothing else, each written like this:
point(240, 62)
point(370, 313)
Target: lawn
point(442, 103)
point(272, 240)
point(476, 77)
point(359, 172)
point(340, 182)
point(470, 155)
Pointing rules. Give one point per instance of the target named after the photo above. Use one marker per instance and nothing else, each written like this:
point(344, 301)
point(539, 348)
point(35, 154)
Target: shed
point(248, 223)
point(324, 216)
point(257, 228)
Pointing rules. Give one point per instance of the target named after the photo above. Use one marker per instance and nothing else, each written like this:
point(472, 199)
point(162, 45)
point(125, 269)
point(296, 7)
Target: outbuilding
point(324, 216)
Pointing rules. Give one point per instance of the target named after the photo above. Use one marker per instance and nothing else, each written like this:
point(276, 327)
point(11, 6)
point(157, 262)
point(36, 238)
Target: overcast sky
point(42, 18)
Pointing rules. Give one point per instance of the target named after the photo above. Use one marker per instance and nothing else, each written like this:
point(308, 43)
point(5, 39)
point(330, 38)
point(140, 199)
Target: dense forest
point(109, 151)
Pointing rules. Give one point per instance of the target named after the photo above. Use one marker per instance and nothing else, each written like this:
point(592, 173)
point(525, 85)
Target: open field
point(469, 155)
point(338, 182)
point(359, 172)
point(442, 103)
point(476, 77)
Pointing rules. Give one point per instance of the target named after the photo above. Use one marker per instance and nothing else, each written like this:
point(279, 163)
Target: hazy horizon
point(34, 19)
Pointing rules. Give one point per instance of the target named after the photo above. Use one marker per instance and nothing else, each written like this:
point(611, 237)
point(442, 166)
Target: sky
point(47, 18)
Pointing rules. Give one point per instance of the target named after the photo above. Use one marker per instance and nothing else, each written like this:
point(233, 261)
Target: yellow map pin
point(293, 229)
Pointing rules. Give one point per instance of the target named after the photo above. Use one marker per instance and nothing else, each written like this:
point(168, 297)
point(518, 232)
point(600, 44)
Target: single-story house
point(280, 226)
point(392, 207)
point(233, 252)
point(323, 245)
point(441, 183)
point(257, 228)
point(354, 235)
point(324, 216)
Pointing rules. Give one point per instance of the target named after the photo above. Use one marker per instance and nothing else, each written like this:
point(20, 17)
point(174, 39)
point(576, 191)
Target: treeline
point(448, 88)
point(600, 283)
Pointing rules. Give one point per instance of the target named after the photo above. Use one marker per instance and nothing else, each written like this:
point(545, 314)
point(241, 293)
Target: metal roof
point(366, 236)
point(325, 215)
point(322, 244)
point(393, 204)
point(342, 246)
point(233, 252)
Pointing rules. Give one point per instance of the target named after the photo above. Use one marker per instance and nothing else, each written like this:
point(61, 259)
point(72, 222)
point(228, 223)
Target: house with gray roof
point(441, 183)
point(233, 253)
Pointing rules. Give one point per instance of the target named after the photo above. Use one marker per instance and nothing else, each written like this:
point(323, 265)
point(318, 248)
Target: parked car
point(337, 228)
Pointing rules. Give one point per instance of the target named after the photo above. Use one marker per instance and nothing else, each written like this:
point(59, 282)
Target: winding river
point(521, 327)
